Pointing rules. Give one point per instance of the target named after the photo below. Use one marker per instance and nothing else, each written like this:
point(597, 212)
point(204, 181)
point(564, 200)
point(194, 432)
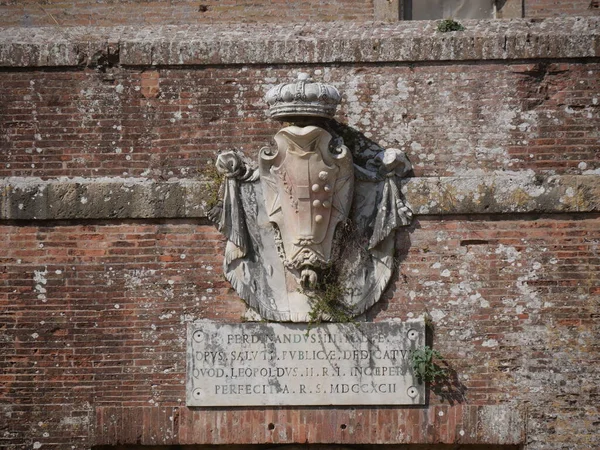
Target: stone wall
point(106, 137)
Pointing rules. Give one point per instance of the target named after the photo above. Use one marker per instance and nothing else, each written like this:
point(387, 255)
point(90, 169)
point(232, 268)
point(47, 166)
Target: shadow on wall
point(448, 387)
point(361, 147)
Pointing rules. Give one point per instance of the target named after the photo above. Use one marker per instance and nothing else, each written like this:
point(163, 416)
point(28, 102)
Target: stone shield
point(308, 189)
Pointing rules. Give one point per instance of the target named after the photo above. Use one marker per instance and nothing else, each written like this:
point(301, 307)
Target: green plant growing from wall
point(326, 300)
point(326, 305)
point(447, 25)
point(424, 364)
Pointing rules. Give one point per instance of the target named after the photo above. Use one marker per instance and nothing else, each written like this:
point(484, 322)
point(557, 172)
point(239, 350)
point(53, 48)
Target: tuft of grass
point(327, 305)
point(327, 300)
point(447, 25)
point(214, 180)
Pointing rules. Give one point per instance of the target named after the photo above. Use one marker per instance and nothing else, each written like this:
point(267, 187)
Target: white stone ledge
point(322, 43)
point(106, 198)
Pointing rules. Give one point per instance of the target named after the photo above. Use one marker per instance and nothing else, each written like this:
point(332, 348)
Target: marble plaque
point(289, 364)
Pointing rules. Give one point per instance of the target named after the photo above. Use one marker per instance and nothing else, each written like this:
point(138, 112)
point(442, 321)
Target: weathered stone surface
point(84, 198)
point(320, 100)
point(517, 193)
point(106, 199)
point(285, 364)
point(307, 43)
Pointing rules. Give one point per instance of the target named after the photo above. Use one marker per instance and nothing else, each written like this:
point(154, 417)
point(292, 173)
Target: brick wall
point(94, 315)
point(93, 307)
point(148, 12)
point(168, 123)
point(553, 8)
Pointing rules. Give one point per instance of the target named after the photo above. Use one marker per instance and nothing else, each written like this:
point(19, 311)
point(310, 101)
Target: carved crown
point(302, 98)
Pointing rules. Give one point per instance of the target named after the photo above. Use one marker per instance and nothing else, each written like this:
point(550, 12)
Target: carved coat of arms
point(306, 217)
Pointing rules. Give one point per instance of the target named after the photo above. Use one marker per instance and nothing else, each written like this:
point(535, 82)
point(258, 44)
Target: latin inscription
point(291, 364)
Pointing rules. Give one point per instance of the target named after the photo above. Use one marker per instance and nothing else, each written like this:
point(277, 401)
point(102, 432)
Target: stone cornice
point(315, 43)
point(102, 199)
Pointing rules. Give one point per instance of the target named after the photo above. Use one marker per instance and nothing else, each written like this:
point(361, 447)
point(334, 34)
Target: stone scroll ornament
point(306, 215)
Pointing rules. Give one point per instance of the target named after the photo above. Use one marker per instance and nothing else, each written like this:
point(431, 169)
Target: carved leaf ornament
point(307, 213)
